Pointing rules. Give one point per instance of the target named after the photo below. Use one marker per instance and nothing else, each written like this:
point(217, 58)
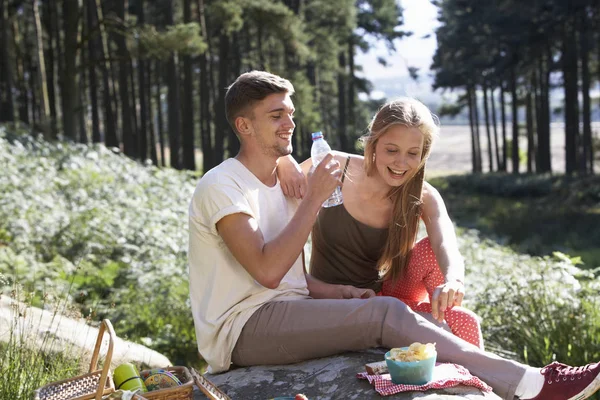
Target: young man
point(251, 300)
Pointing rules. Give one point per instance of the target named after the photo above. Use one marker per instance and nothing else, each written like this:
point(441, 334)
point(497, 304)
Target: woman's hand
point(445, 297)
point(292, 180)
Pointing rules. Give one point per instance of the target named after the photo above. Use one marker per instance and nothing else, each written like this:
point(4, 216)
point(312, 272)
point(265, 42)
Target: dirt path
point(451, 153)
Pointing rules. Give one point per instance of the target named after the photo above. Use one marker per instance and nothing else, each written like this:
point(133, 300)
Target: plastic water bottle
point(318, 151)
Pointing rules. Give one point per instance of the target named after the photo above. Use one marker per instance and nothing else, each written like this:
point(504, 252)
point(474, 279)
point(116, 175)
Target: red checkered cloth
point(444, 376)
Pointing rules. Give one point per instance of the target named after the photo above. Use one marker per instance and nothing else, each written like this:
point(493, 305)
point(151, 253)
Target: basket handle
point(106, 325)
point(207, 387)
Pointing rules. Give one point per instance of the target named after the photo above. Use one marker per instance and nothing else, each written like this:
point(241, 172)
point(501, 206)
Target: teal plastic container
point(410, 372)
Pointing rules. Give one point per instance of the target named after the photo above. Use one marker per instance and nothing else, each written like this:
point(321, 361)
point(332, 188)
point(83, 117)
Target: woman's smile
point(397, 173)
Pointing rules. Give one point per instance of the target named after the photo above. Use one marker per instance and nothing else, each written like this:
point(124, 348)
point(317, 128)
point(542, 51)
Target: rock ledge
point(323, 379)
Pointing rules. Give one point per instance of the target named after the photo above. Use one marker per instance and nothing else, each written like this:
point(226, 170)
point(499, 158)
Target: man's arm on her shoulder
point(321, 290)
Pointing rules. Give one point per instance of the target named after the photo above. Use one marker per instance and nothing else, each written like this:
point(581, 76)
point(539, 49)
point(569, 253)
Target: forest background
point(111, 110)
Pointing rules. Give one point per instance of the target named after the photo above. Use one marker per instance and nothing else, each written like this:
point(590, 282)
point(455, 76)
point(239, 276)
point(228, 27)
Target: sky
point(420, 17)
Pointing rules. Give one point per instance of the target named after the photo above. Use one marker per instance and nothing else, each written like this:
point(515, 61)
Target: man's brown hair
point(250, 88)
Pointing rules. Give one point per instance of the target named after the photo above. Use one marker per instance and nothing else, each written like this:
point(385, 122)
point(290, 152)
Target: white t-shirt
point(223, 294)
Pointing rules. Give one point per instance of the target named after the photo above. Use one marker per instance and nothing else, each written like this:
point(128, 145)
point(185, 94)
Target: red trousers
point(416, 288)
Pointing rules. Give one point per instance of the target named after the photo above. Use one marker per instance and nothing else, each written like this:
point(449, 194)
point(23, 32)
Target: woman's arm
point(445, 247)
point(442, 235)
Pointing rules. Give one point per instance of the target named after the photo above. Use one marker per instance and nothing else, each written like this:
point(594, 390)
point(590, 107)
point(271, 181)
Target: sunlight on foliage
point(181, 38)
point(536, 309)
point(25, 366)
point(116, 227)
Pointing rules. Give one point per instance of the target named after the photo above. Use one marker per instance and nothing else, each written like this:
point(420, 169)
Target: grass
point(535, 215)
point(25, 365)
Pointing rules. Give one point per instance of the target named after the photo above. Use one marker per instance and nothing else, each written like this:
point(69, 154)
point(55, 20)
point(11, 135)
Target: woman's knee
point(423, 256)
point(467, 314)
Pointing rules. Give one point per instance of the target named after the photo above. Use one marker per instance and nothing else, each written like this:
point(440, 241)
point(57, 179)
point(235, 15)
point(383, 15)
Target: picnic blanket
point(444, 376)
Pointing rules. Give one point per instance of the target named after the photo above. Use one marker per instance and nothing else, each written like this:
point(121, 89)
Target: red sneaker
point(562, 382)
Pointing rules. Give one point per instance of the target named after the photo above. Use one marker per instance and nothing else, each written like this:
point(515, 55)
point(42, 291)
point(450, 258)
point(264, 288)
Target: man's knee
point(390, 306)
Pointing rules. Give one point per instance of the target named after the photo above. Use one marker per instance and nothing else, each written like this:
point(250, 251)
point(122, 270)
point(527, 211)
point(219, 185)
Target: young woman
point(369, 241)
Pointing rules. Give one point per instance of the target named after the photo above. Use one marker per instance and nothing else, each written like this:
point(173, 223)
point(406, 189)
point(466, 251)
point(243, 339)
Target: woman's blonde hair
point(404, 224)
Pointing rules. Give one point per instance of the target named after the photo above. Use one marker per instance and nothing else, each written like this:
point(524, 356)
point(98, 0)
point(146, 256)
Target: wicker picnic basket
point(93, 385)
point(185, 391)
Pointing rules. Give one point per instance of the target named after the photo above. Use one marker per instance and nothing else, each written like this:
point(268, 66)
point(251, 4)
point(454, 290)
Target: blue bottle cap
point(317, 135)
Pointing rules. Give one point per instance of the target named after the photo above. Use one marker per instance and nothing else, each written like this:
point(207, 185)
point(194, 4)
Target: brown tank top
point(344, 250)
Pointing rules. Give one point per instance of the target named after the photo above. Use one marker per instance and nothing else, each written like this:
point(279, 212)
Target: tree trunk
point(51, 18)
point(101, 43)
point(503, 116)
point(221, 122)
point(134, 103)
point(81, 91)
point(83, 117)
point(474, 167)
point(515, 122)
point(129, 137)
point(477, 132)
point(174, 106)
point(536, 81)
point(259, 40)
point(92, 78)
point(205, 114)
point(530, 137)
point(69, 82)
point(189, 161)
point(475, 138)
point(543, 128)
point(158, 74)
point(143, 89)
point(587, 162)
point(311, 74)
point(487, 128)
point(351, 91)
point(342, 110)
point(569, 67)
point(7, 103)
point(31, 91)
point(234, 61)
point(45, 107)
point(21, 84)
point(151, 125)
point(495, 126)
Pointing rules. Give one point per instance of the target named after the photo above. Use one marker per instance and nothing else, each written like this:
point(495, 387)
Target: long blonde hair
point(406, 199)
